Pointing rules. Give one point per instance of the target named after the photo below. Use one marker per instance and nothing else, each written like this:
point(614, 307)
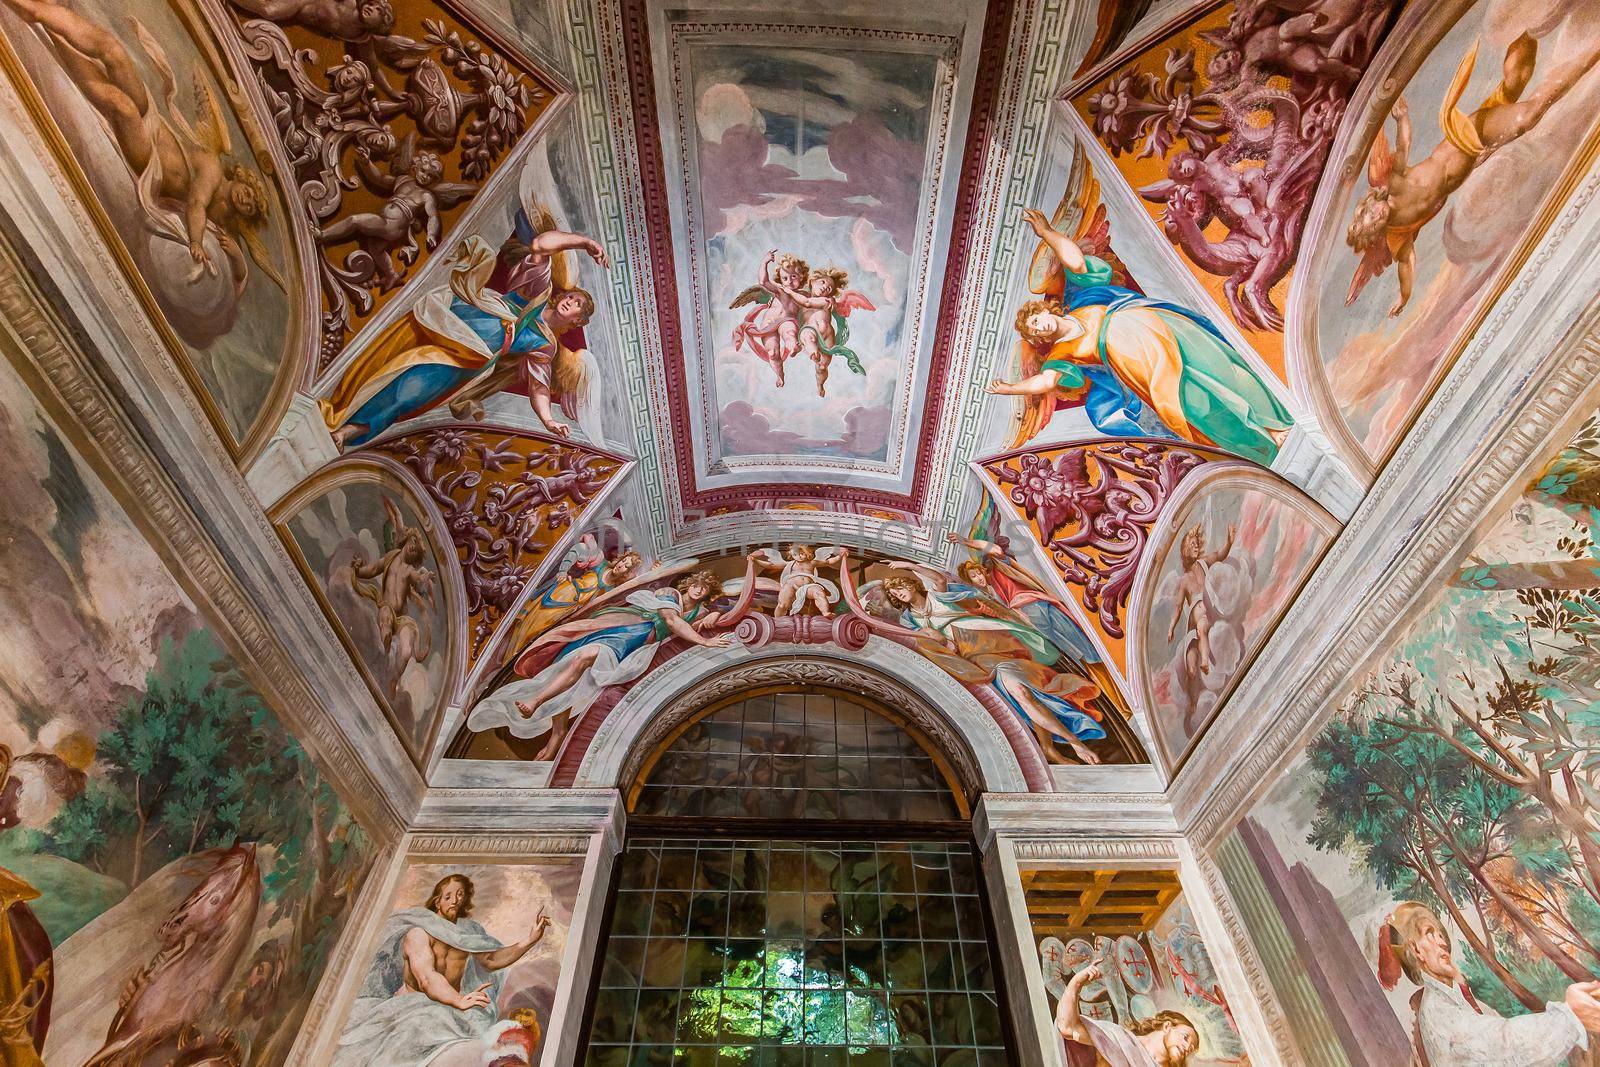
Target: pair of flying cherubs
point(799, 309)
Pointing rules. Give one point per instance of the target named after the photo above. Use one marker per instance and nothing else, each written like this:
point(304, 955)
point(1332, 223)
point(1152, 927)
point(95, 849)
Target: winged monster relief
point(403, 126)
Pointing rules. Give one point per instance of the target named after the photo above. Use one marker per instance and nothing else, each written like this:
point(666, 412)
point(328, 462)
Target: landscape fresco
point(365, 545)
point(512, 921)
point(1383, 347)
point(1454, 789)
point(164, 787)
point(1236, 552)
point(819, 157)
point(221, 276)
point(1146, 973)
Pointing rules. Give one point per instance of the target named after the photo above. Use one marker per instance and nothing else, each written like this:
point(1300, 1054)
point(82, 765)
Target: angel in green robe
point(823, 330)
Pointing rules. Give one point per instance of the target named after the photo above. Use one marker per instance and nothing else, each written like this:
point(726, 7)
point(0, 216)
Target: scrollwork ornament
point(1093, 507)
point(371, 139)
point(505, 499)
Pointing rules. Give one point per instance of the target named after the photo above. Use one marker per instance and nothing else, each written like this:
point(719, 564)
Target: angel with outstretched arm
point(185, 182)
point(1129, 360)
point(1403, 197)
point(536, 273)
point(771, 329)
point(562, 672)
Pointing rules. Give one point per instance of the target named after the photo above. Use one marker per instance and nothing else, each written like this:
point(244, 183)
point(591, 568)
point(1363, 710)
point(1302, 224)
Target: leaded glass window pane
point(788, 756)
point(797, 952)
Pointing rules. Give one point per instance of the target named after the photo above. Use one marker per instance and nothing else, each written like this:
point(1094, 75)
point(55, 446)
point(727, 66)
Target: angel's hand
point(1036, 219)
point(998, 387)
point(1401, 109)
point(597, 253)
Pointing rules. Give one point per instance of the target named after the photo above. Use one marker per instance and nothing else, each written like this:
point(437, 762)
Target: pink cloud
point(883, 178)
point(749, 431)
point(866, 431)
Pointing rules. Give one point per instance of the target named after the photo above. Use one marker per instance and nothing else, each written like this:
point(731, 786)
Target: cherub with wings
point(824, 303)
point(416, 198)
point(1405, 197)
point(771, 329)
point(799, 583)
point(186, 184)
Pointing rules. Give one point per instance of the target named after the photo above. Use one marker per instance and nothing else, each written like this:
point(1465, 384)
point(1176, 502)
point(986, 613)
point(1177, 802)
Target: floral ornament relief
point(1255, 131)
point(1092, 507)
point(506, 501)
point(377, 139)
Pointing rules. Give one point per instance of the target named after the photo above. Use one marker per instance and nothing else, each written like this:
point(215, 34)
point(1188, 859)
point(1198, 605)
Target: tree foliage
point(1466, 773)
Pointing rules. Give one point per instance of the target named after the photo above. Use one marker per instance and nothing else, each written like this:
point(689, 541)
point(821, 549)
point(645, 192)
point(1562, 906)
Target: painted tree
point(1475, 809)
point(197, 760)
point(191, 762)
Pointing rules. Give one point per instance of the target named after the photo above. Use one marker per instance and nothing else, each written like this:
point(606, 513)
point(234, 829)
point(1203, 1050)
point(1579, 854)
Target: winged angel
point(1137, 366)
point(1404, 196)
point(799, 308)
point(799, 583)
point(559, 675)
point(507, 321)
point(187, 186)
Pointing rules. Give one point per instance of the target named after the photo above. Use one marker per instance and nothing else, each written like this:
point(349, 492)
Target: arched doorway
point(798, 886)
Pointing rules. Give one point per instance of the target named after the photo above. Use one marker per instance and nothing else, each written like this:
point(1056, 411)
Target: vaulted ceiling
point(1073, 311)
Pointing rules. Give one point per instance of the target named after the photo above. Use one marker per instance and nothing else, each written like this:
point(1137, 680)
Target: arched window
point(787, 754)
point(798, 887)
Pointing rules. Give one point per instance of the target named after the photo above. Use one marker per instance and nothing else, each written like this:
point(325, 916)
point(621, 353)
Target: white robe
point(1455, 1035)
point(1116, 1046)
point(392, 1026)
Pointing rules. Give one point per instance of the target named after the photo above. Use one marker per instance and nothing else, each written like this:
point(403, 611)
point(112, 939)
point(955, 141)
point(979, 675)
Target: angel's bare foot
point(1082, 752)
point(346, 433)
point(525, 709)
point(558, 733)
point(1047, 744)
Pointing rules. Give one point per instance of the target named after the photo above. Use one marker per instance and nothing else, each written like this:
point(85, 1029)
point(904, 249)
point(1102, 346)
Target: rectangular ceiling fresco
point(799, 203)
point(810, 169)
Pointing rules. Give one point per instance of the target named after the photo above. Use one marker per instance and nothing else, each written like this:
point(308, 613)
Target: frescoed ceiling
point(580, 297)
